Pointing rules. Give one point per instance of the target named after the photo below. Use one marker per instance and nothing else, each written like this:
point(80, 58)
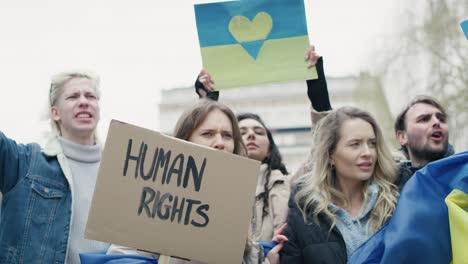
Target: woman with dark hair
point(47, 191)
point(272, 193)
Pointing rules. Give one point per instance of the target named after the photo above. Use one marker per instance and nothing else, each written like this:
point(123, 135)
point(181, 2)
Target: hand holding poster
point(172, 197)
point(254, 42)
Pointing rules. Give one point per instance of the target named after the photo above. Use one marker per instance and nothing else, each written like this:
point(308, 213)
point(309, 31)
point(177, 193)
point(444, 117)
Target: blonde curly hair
point(317, 187)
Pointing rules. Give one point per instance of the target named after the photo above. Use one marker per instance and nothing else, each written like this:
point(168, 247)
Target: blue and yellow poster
point(251, 42)
point(464, 26)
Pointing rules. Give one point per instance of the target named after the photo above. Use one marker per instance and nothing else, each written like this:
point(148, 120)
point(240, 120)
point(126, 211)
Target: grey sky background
point(141, 47)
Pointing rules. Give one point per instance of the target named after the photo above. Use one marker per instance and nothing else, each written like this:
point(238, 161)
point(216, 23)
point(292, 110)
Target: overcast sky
point(140, 47)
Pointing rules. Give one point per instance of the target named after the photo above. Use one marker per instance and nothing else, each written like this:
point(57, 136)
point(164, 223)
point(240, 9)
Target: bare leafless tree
point(430, 55)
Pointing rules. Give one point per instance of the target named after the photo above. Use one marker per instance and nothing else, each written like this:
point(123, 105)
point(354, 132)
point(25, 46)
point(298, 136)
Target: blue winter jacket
point(36, 205)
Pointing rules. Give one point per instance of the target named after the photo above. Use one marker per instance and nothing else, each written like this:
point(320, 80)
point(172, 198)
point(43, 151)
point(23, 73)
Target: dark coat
point(312, 243)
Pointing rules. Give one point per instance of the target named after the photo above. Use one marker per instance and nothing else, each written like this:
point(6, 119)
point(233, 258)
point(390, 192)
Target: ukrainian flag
point(420, 230)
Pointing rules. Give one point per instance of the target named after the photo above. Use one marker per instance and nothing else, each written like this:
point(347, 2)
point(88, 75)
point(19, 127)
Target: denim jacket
point(37, 202)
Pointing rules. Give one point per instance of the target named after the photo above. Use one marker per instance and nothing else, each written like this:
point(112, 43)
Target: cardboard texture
point(137, 190)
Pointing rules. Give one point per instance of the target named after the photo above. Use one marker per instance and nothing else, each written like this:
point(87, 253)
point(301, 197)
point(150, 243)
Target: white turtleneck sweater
point(84, 164)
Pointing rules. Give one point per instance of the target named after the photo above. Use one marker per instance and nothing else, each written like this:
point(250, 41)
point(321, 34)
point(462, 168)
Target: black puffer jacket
point(312, 243)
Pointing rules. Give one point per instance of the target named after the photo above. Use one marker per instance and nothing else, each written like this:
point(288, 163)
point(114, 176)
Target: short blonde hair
point(58, 82)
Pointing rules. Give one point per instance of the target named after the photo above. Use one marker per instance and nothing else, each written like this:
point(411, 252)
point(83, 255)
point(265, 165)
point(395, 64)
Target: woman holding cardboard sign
point(214, 125)
point(47, 192)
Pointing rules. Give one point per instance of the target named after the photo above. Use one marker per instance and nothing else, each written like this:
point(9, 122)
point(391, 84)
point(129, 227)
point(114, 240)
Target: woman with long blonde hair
point(348, 193)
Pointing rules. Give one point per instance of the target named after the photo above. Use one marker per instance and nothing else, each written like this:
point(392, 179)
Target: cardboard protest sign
point(253, 42)
point(164, 195)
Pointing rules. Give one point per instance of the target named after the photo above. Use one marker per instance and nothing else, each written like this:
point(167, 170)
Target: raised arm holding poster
point(253, 42)
point(165, 195)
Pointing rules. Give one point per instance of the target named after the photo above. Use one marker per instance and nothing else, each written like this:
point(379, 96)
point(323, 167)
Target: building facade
point(284, 107)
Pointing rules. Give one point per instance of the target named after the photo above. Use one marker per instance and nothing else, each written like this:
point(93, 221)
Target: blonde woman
point(346, 196)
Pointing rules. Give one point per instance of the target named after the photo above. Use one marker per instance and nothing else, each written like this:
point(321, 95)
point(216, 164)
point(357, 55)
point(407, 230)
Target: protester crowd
point(345, 192)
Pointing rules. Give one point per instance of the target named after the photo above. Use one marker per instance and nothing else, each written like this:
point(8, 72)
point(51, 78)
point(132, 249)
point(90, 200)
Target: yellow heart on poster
point(243, 30)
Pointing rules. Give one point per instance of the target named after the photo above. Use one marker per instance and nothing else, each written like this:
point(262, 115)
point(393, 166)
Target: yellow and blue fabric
point(253, 42)
point(419, 231)
point(464, 26)
point(457, 203)
point(100, 257)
